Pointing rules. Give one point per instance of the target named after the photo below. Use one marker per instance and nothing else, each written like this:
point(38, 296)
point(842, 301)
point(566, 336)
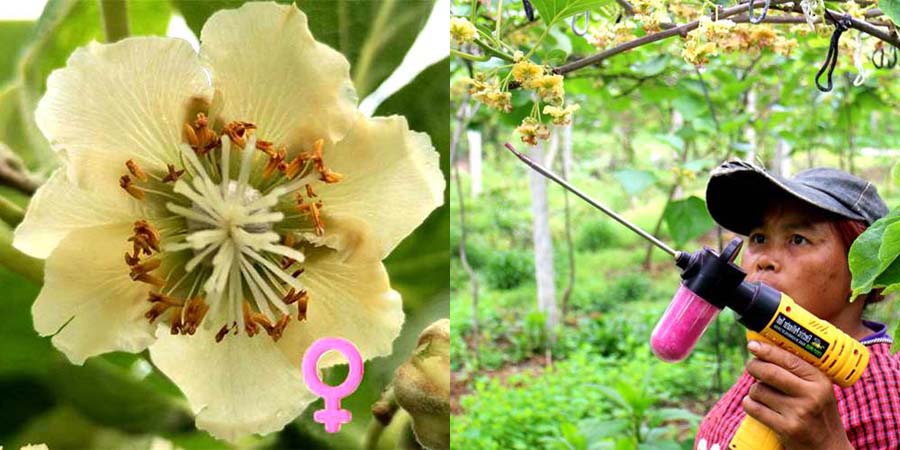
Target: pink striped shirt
point(870, 409)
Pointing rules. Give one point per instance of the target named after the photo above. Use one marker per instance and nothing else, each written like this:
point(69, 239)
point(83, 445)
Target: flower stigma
point(220, 243)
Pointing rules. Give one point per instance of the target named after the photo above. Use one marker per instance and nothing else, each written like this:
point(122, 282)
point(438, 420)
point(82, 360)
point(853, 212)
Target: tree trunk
point(462, 116)
point(543, 245)
point(749, 130)
point(474, 138)
point(781, 164)
point(566, 167)
point(553, 149)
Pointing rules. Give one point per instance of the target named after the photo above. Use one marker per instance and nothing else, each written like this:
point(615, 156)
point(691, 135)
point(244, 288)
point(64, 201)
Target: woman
point(799, 232)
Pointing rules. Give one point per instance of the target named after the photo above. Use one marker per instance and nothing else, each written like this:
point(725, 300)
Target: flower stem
point(10, 212)
point(470, 56)
point(16, 261)
point(383, 411)
point(115, 19)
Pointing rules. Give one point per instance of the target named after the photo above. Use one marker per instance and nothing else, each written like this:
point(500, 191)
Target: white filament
point(230, 230)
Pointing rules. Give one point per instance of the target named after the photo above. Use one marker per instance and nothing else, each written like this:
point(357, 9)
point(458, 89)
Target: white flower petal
point(271, 72)
point(392, 180)
point(87, 292)
point(118, 101)
point(349, 298)
point(238, 386)
point(59, 207)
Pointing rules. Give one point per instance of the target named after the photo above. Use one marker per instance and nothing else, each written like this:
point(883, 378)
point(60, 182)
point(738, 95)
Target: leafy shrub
point(596, 235)
point(630, 287)
point(614, 334)
point(477, 248)
point(554, 403)
point(506, 270)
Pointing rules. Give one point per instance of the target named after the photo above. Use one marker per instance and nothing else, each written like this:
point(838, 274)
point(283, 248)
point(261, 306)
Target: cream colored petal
point(392, 180)
point(118, 101)
point(87, 292)
point(271, 72)
point(349, 297)
point(59, 207)
point(236, 387)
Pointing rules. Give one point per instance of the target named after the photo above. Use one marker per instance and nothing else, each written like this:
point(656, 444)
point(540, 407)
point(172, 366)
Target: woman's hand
point(794, 399)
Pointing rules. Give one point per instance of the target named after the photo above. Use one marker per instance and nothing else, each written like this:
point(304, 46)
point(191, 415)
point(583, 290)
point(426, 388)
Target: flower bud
point(422, 386)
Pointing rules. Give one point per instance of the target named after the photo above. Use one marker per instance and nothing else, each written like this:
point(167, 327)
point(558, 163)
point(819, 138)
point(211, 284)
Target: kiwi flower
point(224, 210)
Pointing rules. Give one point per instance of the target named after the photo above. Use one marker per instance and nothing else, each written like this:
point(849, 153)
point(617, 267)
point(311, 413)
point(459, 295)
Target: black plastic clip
point(757, 19)
point(529, 10)
point(841, 25)
point(587, 22)
point(880, 60)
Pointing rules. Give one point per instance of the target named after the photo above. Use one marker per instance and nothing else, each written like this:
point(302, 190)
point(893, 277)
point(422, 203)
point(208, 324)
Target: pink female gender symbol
point(332, 416)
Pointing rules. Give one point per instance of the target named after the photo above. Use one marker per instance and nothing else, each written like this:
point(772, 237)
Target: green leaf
point(687, 219)
point(22, 351)
point(895, 174)
point(571, 434)
point(420, 266)
point(635, 181)
point(13, 36)
point(195, 12)
point(554, 10)
point(867, 260)
point(651, 67)
point(110, 394)
point(373, 35)
point(689, 106)
point(891, 8)
point(598, 429)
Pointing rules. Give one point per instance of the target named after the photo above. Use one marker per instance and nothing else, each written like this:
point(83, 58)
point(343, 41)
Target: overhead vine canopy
point(824, 73)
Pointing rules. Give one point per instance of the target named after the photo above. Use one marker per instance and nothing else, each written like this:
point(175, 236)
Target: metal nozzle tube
point(592, 202)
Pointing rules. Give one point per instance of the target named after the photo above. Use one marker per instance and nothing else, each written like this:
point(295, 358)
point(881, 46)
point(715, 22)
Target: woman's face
point(797, 251)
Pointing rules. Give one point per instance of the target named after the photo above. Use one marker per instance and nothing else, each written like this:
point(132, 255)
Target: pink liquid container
point(681, 326)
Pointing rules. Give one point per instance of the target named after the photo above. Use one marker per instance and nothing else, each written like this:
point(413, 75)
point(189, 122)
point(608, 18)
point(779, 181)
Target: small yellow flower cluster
point(701, 42)
point(604, 34)
point(784, 46)
point(488, 92)
point(624, 31)
point(697, 53)
point(714, 29)
point(683, 175)
point(526, 72)
point(683, 11)
point(532, 130)
point(855, 11)
point(711, 37)
point(601, 35)
point(560, 115)
point(651, 13)
point(461, 31)
point(549, 87)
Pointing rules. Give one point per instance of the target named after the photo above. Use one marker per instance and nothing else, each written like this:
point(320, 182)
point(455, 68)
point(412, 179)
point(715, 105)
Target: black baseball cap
point(738, 193)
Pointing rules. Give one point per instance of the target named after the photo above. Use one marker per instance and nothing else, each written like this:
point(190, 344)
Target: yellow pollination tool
point(817, 342)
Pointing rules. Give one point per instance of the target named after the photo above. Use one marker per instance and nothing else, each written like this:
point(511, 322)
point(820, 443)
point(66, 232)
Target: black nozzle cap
point(712, 277)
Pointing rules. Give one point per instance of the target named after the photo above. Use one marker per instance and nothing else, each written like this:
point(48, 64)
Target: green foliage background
point(631, 154)
point(119, 400)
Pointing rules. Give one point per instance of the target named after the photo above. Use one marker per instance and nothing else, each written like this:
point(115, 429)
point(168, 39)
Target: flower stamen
point(136, 170)
point(237, 132)
point(200, 137)
point(173, 174)
point(312, 210)
point(126, 183)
